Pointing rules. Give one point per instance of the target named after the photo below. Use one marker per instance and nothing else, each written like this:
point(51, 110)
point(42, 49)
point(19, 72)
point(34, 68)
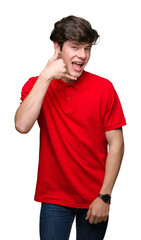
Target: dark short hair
point(75, 29)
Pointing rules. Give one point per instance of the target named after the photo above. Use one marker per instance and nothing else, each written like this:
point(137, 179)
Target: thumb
point(88, 214)
point(55, 56)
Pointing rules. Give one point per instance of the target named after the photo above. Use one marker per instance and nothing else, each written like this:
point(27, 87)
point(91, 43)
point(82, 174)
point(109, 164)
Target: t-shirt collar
point(76, 84)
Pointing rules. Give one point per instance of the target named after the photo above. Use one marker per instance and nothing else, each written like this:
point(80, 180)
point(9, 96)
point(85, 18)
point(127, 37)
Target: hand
point(98, 211)
point(56, 68)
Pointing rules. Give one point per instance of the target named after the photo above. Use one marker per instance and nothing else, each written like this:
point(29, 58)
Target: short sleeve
point(27, 87)
point(114, 116)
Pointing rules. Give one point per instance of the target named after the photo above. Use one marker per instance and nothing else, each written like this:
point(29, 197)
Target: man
point(79, 115)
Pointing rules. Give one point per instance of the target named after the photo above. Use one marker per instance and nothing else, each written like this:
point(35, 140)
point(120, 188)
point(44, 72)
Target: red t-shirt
point(73, 147)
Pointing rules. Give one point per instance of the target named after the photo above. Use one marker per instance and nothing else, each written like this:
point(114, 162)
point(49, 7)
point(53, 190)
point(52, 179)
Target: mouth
point(78, 66)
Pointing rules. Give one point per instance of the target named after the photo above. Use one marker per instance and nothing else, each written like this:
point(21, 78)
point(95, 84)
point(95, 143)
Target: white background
point(24, 51)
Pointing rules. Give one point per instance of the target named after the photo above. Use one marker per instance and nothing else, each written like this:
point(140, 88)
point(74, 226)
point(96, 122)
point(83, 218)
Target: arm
point(114, 159)
point(99, 210)
point(29, 110)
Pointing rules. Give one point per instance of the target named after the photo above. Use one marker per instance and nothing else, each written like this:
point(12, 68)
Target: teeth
point(79, 63)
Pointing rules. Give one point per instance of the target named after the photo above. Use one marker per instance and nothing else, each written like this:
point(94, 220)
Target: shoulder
point(27, 87)
point(30, 83)
point(98, 81)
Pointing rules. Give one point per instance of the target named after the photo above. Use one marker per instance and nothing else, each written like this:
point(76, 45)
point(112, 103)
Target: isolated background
point(24, 51)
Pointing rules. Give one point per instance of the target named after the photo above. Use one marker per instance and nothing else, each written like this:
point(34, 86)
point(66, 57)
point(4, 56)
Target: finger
point(55, 56)
point(105, 219)
point(69, 77)
point(88, 214)
point(96, 221)
point(92, 220)
point(99, 220)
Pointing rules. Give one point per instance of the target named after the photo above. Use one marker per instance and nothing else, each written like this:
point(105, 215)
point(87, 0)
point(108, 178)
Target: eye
point(88, 49)
point(74, 47)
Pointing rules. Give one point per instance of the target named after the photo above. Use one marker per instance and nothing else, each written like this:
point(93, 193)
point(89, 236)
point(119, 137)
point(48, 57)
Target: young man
point(79, 115)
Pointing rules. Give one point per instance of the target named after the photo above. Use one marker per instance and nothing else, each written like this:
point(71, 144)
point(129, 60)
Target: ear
point(57, 47)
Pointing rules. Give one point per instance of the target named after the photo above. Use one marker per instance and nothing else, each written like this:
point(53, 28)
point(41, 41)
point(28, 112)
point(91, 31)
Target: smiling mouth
point(77, 66)
point(78, 63)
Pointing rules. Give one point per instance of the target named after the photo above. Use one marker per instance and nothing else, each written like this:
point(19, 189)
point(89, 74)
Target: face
point(76, 56)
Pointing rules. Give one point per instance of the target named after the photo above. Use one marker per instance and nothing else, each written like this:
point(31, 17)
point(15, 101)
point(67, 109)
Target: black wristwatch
point(105, 197)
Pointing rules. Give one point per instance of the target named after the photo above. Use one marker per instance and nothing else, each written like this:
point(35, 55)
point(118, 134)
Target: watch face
point(106, 197)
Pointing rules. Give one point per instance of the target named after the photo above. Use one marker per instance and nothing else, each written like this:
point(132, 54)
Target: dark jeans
point(56, 222)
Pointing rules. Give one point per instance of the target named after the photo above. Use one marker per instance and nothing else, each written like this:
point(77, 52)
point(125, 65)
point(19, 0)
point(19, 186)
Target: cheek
point(65, 59)
point(68, 62)
point(88, 57)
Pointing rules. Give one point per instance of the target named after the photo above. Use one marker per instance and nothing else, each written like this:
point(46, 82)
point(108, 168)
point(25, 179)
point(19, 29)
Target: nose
point(81, 54)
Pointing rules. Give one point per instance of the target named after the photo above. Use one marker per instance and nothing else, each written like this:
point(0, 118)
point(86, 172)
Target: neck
point(68, 80)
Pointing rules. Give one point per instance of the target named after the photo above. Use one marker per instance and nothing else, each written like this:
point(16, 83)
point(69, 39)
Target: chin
point(76, 74)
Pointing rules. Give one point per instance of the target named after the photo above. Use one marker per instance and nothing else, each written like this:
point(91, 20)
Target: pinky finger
point(105, 219)
point(69, 77)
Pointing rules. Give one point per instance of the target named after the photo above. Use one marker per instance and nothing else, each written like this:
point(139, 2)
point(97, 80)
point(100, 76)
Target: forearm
point(29, 110)
point(113, 163)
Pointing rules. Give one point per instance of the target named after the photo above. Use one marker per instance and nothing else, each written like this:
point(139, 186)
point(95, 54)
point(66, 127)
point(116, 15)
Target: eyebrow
point(73, 42)
point(79, 43)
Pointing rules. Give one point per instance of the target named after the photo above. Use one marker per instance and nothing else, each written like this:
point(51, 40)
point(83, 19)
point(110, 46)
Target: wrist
point(105, 197)
point(106, 189)
point(46, 76)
